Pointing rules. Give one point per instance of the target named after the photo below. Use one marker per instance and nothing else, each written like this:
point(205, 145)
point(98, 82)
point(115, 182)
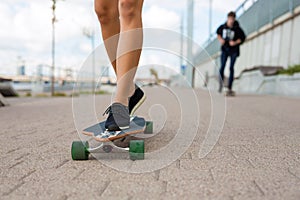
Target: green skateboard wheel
point(79, 150)
point(149, 127)
point(136, 149)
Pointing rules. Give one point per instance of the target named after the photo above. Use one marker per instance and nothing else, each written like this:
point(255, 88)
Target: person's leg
point(129, 48)
point(108, 15)
point(233, 58)
point(224, 57)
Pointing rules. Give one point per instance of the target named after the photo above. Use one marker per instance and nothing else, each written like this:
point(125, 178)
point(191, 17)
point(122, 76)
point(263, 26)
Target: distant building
point(21, 70)
point(40, 70)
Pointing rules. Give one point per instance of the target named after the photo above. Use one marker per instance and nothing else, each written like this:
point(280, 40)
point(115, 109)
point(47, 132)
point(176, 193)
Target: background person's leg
point(131, 37)
point(108, 15)
point(224, 57)
point(233, 58)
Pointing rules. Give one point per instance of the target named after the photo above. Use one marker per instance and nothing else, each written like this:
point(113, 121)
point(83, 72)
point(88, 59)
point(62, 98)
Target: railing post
point(270, 4)
point(291, 6)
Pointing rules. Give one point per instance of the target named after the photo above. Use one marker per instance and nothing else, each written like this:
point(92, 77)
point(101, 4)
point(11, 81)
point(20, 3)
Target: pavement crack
point(259, 188)
point(212, 175)
point(129, 165)
point(72, 132)
point(28, 174)
point(165, 186)
point(78, 174)
point(20, 162)
point(107, 183)
point(22, 156)
point(59, 136)
point(178, 164)
point(43, 144)
point(61, 164)
point(250, 162)
point(13, 150)
point(232, 154)
point(293, 174)
point(30, 132)
point(14, 188)
point(157, 175)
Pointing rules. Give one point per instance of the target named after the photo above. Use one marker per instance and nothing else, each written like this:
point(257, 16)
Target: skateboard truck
point(80, 150)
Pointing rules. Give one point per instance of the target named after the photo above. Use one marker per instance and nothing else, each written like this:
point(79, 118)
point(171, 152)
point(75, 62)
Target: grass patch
point(60, 94)
point(290, 70)
point(28, 94)
point(74, 94)
point(41, 95)
point(100, 92)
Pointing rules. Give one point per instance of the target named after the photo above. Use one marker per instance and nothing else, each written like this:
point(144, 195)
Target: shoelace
point(107, 111)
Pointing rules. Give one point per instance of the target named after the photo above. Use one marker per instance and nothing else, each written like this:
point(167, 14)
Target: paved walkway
point(256, 157)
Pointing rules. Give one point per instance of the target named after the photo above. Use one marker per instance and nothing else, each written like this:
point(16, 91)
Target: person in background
point(231, 36)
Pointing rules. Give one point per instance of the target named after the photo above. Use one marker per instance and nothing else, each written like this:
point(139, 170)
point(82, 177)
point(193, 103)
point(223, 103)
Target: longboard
point(99, 133)
point(80, 150)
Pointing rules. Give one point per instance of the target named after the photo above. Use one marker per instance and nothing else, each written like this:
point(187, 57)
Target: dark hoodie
point(234, 33)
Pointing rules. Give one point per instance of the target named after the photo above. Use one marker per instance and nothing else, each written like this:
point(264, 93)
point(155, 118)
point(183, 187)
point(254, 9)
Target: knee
point(128, 9)
point(106, 15)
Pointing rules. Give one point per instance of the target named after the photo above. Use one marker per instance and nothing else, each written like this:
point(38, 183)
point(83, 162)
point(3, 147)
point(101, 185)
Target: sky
point(25, 34)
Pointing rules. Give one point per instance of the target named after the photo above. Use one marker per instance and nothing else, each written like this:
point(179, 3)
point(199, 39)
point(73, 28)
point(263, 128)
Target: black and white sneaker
point(118, 117)
point(230, 93)
point(136, 100)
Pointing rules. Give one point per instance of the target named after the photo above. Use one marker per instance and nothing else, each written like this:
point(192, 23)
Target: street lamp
point(90, 34)
point(190, 30)
point(53, 47)
point(210, 18)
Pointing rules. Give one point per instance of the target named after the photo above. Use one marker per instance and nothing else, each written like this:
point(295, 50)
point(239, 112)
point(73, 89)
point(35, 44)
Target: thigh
point(224, 57)
point(233, 58)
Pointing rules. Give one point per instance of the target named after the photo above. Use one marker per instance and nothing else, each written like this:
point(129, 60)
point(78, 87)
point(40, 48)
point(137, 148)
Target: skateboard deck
point(80, 150)
point(99, 132)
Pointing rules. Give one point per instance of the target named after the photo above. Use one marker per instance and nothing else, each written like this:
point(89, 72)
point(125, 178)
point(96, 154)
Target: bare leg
point(129, 47)
point(108, 15)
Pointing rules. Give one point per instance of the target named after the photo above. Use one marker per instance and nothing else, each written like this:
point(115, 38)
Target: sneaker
point(118, 117)
point(136, 100)
point(230, 93)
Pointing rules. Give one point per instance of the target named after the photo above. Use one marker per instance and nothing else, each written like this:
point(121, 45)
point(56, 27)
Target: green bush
point(290, 70)
point(59, 94)
point(100, 92)
point(28, 94)
point(42, 95)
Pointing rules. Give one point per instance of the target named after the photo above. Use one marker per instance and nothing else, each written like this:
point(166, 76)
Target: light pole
point(90, 34)
point(210, 19)
point(53, 48)
point(190, 30)
point(181, 43)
